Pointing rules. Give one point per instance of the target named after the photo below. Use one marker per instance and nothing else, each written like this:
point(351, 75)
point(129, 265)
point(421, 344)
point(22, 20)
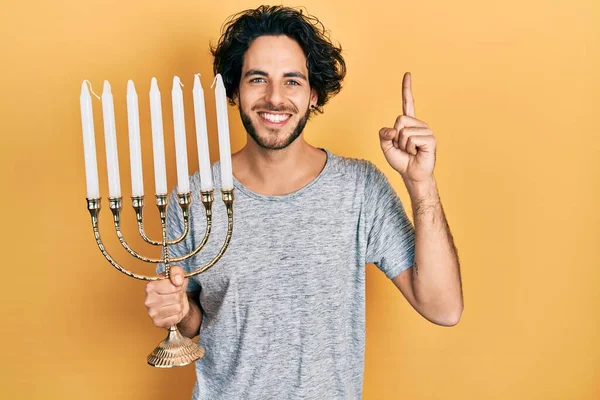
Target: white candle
point(135, 147)
point(202, 136)
point(223, 125)
point(89, 143)
point(110, 139)
point(158, 140)
point(183, 177)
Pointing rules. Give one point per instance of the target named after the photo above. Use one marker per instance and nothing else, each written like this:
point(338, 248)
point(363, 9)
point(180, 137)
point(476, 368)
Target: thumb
point(387, 134)
point(386, 138)
point(177, 276)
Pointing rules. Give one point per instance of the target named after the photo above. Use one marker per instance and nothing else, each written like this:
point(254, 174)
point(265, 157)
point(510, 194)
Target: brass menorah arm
point(94, 206)
point(228, 197)
point(184, 200)
point(207, 199)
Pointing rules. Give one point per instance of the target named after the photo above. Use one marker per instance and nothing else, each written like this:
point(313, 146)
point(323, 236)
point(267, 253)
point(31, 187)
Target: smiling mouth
point(274, 119)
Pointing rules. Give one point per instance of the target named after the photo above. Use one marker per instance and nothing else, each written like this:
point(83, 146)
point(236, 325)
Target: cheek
point(247, 103)
point(249, 96)
point(301, 98)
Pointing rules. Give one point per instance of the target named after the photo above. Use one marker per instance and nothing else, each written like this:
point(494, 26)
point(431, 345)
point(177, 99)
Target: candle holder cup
point(175, 350)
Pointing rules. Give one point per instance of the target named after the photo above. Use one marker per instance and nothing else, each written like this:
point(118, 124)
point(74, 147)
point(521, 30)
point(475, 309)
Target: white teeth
point(275, 117)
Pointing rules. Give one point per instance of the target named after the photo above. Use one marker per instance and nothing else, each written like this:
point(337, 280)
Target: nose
point(274, 95)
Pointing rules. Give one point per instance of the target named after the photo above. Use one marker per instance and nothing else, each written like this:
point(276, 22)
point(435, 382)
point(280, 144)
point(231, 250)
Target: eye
point(293, 83)
point(257, 80)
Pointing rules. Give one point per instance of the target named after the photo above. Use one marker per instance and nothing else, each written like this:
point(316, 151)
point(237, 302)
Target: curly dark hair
point(324, 61)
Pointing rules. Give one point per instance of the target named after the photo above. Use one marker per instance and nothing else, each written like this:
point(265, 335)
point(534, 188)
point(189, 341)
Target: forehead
point(274, 55)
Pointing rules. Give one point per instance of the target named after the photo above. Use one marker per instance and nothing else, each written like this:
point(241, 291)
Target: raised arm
point(433, 286)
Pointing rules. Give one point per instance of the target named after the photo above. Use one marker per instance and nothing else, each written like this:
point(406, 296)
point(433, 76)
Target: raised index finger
point(408, 103)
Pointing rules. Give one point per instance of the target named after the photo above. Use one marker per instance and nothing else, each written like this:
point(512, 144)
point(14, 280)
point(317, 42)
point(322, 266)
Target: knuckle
point(404, 132)
point(150, 299)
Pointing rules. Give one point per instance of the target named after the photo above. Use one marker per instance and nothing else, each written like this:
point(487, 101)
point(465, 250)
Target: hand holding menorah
point(175, 350)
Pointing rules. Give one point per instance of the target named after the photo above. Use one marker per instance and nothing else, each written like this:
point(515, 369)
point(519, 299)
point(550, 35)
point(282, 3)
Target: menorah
point(175, 350)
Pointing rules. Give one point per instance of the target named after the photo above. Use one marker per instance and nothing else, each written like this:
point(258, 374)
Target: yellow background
point(511, 90)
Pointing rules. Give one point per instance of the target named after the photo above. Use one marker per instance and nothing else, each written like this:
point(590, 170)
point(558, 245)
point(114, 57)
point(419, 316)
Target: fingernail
point(178, 279)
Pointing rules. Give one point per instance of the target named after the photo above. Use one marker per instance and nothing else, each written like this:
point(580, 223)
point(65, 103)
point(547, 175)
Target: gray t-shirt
point(284, 309)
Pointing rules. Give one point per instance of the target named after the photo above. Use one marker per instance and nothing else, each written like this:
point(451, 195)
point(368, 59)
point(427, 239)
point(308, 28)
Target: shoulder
point(349, 166)
point(358, 169)
point(362, 174)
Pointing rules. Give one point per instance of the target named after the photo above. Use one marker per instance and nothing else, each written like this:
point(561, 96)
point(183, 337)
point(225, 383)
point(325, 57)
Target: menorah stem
point(176, 350)
point(161, 202)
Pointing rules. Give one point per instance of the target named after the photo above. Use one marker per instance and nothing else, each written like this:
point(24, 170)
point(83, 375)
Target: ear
point(314, 97)
point(236, 97)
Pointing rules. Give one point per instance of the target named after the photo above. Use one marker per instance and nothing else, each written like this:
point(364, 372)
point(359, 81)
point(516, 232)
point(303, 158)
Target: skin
point(433, 286)
point(277, 160)
point(275, 79)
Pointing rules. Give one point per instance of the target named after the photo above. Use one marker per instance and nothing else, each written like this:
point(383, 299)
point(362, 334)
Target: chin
point(273, 138)
point(273, 141)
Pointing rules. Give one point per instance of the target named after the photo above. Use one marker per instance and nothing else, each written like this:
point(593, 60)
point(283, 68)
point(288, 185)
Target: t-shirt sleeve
point(175, 228)
point(390, 234)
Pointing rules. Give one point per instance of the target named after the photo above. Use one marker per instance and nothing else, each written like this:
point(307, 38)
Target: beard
point(272, 141)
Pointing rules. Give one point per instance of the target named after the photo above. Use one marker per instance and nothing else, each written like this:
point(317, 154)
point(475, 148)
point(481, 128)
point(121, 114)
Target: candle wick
point(92, 90)
point(213, 84)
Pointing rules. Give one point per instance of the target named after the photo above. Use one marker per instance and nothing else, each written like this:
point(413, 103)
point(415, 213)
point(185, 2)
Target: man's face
point(274, 95)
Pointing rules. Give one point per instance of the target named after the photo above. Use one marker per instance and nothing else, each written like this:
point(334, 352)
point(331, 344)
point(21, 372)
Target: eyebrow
point(294, 74)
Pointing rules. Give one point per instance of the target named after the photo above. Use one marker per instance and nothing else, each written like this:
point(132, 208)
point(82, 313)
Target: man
point(282, 314)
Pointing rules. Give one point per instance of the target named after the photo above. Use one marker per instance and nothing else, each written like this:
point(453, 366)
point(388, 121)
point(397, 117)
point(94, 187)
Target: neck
point(277, 172)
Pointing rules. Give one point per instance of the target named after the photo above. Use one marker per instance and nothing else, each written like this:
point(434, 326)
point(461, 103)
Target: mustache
point(271, 107)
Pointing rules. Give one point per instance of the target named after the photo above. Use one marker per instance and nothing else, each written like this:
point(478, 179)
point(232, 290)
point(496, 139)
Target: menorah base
point(175, 351)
